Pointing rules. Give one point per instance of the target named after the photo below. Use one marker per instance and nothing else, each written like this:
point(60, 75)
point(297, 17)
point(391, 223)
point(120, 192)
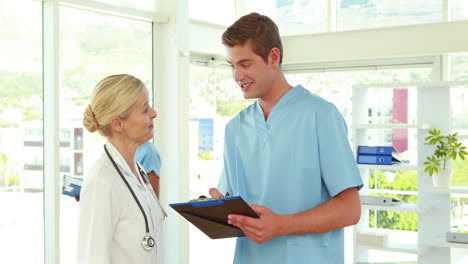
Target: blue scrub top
point(148, 156)
point(296, 160)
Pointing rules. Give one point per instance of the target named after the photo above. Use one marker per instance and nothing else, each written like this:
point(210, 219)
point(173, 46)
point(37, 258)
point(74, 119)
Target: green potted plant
point(447, 148)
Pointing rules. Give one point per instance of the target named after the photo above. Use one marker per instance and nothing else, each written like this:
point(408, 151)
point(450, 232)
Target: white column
point(446, 65)
point(171, 100)
point(51, 132)
point(332, 8)
point(447, 10)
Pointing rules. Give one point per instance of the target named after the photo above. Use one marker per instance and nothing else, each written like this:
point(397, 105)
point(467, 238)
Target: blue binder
point(375, 159)
point(72, 186)
point(378, 155)
point(375, 150)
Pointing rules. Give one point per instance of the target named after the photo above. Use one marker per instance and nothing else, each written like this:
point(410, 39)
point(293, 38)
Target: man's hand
point(260, 230)
point(215, 193)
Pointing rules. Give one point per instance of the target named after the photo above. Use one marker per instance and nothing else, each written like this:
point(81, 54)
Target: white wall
point(403, 41)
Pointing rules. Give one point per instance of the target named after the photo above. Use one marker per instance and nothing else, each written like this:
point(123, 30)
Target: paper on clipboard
point(210, 216)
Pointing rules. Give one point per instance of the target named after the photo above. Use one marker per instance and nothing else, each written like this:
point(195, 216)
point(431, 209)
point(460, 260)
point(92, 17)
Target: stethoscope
point(148, 241)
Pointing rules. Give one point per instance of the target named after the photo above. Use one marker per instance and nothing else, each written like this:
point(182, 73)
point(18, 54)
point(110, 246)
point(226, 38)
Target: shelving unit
point(392, 126)
point(441, 242)
point(395, 167)
point(409, 245)
point(399, 248)
point(403, 207)
point(451, 190)
point(373, 124)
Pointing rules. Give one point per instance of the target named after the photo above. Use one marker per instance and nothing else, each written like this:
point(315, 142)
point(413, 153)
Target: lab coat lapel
point(122, 164)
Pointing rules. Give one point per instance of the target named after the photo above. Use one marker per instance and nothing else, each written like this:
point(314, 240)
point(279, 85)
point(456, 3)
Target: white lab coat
point(111, 225)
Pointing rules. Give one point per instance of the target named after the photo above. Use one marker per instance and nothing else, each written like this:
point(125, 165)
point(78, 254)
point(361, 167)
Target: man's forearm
point(340, 211)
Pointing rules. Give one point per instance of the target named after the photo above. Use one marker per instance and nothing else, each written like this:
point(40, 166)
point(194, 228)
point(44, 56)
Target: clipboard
point(72, 186)
point(210, 216)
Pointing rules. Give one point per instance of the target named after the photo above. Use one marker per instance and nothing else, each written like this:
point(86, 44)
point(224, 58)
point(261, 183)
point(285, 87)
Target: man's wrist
point(284, 225)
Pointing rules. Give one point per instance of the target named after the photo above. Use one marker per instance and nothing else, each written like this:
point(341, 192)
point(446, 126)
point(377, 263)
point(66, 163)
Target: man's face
point(253, 75)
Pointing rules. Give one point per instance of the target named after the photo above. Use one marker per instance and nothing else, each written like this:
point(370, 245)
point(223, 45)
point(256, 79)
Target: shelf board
point(394, 167)
point(393, 238)
point(451, 189)
point(392, 126)
point(395, 247)
point(403, 207)
point(443, 243)
point(391, 192)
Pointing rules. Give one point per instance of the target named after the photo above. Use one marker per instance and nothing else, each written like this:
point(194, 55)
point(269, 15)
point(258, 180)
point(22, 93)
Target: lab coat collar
point(120, 161)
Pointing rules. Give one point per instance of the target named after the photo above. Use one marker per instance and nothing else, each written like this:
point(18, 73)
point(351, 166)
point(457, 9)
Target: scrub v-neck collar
point(260, 119)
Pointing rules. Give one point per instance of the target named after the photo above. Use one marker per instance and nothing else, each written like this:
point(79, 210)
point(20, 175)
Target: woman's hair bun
point(89, 120)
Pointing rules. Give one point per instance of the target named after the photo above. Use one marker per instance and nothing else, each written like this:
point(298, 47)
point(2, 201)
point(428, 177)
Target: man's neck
point(269, 101)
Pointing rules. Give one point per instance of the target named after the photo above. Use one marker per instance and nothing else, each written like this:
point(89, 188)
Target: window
point(21, 122)
point(293, 17)
point(459, 103)
point(93, 46)
point(459, 202)
point(359, 14)
point(203, 10)
point(336, 86)
point(148, 5)
point(214, 100)
point(312, 16)
point(459, 67)
point(459, 9)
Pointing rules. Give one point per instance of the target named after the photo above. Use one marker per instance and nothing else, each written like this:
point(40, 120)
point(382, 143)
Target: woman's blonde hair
point(113, 96)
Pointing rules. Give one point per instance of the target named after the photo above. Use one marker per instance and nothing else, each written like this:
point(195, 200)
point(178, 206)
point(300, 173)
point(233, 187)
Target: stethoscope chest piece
point(148, 242)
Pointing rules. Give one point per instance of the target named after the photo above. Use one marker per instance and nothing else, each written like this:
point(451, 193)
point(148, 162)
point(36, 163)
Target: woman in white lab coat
point(120, 215)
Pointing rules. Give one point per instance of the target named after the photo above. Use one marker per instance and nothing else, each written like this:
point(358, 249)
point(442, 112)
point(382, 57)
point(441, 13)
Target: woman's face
point(139, 125)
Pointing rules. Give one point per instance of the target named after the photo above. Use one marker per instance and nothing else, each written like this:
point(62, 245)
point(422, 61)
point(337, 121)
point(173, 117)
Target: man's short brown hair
point(260, 30)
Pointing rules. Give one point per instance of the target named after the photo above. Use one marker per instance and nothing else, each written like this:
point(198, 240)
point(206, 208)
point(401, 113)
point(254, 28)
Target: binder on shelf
point(72, 186)
point(378, 155)
point(210, 216)
point(379, 200)
point(375, 159)
point(375, 150)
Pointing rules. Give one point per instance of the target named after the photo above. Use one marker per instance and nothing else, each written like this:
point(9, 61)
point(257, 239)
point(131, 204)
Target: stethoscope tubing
point(130, 188)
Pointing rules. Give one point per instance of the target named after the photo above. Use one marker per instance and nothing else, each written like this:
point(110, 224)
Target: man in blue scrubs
point(148, 156)
point(288, 155)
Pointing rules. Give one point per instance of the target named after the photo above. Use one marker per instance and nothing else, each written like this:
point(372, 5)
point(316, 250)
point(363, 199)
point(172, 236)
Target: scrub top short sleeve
point(148, 156)
point(337, 162)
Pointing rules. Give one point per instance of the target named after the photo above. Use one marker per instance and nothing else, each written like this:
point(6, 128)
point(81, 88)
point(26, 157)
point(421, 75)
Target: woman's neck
point(127, 150)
